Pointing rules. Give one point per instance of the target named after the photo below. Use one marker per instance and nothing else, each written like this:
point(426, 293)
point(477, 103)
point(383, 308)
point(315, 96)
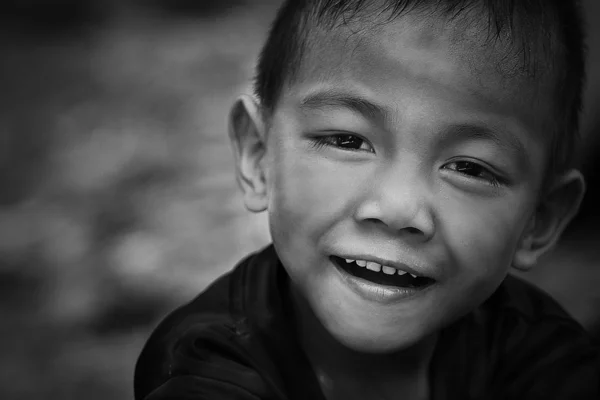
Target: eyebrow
point(334, 99)
point(505, 140)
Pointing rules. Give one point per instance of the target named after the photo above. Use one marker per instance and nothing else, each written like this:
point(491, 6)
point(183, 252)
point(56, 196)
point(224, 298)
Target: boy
point(408, 153)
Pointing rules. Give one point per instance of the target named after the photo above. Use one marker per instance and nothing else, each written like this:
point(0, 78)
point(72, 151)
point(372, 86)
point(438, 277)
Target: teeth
point(373, 266)
point(404, 273)
point(388, 270)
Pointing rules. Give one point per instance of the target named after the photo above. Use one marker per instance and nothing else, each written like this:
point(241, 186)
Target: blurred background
point(117, 193)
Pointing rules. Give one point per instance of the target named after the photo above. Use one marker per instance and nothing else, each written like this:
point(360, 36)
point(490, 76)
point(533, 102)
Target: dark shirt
point(236, 341)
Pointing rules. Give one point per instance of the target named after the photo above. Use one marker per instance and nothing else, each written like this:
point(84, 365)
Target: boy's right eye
point(344, 141)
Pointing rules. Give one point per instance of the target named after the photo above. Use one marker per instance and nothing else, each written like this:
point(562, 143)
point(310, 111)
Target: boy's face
point(407, 148)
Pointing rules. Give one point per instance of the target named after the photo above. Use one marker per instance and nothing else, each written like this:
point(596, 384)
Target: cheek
point(482, 234)
point(307, 192)
point(298, 193)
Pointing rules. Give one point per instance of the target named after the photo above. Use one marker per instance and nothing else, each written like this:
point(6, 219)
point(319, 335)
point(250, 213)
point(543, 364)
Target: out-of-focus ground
point(118, 200)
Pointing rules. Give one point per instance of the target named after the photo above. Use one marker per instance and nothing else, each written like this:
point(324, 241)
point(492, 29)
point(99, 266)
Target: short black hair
point(549, 34)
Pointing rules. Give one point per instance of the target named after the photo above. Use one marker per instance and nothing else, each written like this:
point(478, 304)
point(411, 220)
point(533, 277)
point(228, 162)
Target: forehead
point(455, 57)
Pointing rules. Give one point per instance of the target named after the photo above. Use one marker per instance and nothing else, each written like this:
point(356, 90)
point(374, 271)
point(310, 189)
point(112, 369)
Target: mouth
point(382, 274)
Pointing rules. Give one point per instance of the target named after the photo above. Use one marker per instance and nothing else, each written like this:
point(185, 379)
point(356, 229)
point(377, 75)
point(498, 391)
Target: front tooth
point(388, 270)
point(361, 263)
point(349, 260)
point(373, 266)
point(414, 276)
point(400, 272)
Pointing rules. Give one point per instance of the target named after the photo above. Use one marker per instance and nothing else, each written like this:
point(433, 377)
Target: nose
point(399, 200)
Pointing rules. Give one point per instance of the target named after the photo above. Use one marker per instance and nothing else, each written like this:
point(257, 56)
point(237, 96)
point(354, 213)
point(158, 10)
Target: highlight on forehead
point(518, 29)
point(540, 40)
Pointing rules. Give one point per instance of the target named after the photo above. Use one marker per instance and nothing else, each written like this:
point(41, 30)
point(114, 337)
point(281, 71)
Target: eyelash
point(322, 141)
point(492, 179)
point(330, 140)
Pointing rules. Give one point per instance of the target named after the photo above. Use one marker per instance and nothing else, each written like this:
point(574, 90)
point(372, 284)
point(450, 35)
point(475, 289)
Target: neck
point(334, 363)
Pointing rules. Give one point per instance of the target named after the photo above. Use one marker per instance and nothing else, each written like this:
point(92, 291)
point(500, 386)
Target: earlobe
point(247, 135)
point(525, 258)
point(554, 212)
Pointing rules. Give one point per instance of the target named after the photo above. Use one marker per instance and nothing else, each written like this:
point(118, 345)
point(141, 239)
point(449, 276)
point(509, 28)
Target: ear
point(554, 212)
point(247, 135)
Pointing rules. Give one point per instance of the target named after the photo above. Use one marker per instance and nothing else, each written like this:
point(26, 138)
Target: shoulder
point(196, 348)
point(526, 299)
point(523, 311)
point(537, 347)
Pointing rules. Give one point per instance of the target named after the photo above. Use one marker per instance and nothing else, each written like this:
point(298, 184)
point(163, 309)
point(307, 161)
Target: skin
point(442, 171)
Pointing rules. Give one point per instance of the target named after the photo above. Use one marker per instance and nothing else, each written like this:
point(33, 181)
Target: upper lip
point(420, 271)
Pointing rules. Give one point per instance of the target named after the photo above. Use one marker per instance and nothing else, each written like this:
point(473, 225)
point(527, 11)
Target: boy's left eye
point(344, 141)
point(473, 169)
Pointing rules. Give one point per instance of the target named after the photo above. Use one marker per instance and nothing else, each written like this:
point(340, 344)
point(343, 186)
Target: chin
point(379, 343)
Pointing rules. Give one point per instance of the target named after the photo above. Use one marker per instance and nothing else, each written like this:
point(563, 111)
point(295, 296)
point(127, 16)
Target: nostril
point(408, 229)
point(374, 221)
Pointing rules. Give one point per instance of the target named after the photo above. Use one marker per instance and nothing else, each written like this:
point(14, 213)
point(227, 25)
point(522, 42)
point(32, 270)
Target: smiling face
point(407, 149)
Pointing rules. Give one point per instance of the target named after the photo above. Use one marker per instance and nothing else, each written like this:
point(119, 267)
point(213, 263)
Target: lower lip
point(380, 293)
